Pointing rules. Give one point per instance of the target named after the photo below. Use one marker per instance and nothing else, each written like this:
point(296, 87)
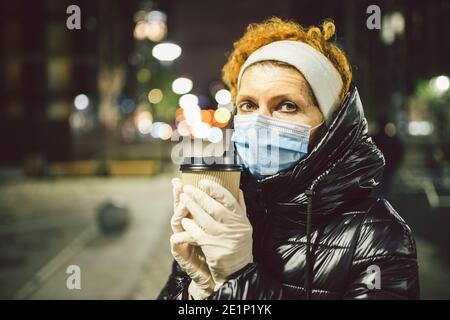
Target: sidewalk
point(111, 265)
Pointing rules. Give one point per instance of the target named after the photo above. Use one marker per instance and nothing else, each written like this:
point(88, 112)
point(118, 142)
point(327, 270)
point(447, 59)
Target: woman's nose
point(264, 110)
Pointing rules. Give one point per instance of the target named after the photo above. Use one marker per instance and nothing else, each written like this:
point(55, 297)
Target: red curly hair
point(276, 29)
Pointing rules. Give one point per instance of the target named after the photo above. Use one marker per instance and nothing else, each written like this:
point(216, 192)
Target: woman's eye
point(247, 107)
point(287, 107)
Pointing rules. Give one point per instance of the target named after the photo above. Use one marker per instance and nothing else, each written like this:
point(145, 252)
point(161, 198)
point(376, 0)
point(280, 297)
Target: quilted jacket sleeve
point(176, 286)
point(385, 263)
point(249, 283)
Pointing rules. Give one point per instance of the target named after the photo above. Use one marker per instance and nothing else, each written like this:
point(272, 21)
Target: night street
point(329, 119)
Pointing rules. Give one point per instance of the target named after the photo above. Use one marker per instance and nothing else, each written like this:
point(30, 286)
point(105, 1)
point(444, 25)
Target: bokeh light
point(127, 105)
point(207, 117)
point(166, 51)
point(144, 125)
point(143, 121)
point(179, 114)
point(192, 115)
point(223, 96)
point(151, 26)
point(188, 100)
point(183, 128)
point(420, 128)
point(155, 31)
point(182, 85)
point(165, 131)
point(155, 96)
point(220, 125)
point(390, 129)
point(222, 115)
point(139, 16)
point(201, 130)
point(143, 75)
point(77, 120)
point(140, 30)
point(215, 135)
point(155, 129)
point(442, 83)
point(81, 101)
point(156, 25)
point(156, 16)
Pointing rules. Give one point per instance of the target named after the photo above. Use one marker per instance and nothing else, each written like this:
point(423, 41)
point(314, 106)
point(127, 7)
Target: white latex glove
point(220, 227)
point(188, 256)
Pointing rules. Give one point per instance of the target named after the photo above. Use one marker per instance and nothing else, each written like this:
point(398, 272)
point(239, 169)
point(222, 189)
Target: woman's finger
point(180, 247)
point(242, 200)
point(203, 219)
point(219, 193)
point(207, 203)
point(194, 230)
point(182, 238)
point(177, 188)
point(179, 213)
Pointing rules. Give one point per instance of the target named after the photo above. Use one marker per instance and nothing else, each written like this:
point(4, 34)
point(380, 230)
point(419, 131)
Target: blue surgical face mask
point(268, 145)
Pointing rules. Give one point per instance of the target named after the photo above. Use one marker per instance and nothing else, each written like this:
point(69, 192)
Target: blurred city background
point(89, 117)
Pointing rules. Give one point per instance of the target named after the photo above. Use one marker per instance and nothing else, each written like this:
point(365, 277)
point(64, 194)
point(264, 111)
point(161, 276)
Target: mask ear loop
point(316, 138)
point(234, 113)
point(317, 126)
point(232, 146)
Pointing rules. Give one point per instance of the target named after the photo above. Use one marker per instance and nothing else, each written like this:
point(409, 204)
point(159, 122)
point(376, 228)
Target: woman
point(305, 226)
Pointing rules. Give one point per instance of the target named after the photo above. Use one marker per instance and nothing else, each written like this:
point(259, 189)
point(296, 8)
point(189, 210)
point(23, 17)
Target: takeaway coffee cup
point(222, 170)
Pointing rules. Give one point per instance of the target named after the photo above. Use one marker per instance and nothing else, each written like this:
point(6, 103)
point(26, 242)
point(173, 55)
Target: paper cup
point(227, 175)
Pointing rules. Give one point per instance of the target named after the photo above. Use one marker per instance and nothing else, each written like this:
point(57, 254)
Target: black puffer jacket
point(322, 206)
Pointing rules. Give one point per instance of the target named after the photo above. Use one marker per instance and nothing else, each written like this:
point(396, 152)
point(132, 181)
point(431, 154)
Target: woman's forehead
point(272, 77)
point(273, 67)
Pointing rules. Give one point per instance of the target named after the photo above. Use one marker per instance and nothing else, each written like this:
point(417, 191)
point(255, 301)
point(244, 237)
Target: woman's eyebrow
point(282, 96)
point(244, 97)
point(289, 96)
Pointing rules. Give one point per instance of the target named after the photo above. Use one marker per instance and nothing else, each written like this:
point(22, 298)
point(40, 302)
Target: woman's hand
point(188, 256)
point(219, 226)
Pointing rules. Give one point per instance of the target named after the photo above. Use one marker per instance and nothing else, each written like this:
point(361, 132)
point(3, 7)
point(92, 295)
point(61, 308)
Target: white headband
point(325, 81)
